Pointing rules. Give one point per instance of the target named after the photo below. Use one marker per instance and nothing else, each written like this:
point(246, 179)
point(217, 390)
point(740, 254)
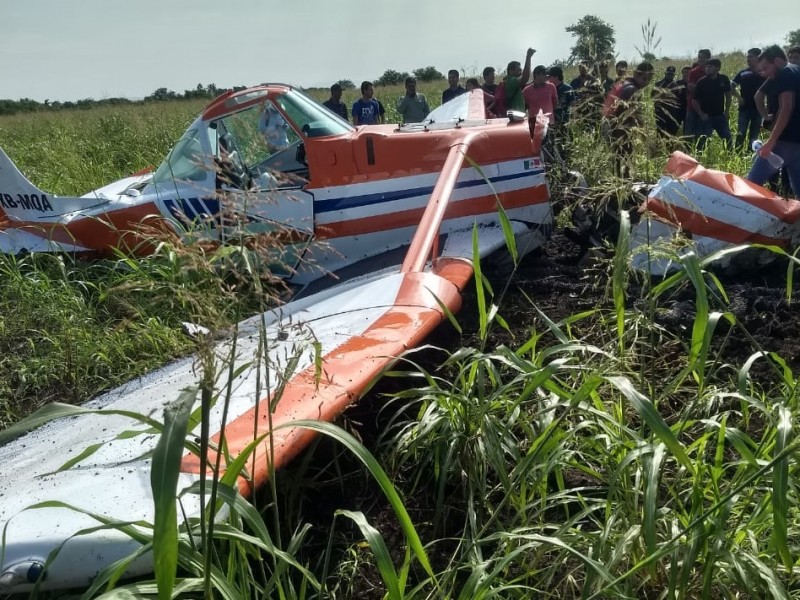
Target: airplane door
point(287, 214)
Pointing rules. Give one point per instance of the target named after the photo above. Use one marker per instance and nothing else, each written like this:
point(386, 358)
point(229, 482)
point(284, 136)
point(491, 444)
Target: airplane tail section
point(32, 220)
point(19, 198)
point(21, 201)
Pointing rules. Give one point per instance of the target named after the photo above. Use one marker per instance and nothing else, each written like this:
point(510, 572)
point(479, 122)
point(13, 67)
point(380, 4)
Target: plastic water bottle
point(775, 161)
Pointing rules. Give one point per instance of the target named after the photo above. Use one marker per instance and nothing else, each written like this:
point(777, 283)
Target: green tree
point(347, 84)
point(793, 38)
point(594, 38)
point(391, 77)
point(427, 74)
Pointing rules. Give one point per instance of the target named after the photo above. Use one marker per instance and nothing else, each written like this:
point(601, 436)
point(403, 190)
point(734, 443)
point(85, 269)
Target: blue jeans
point(690, 123)
point(704, 129)
point(761, 170)
point(749, 124)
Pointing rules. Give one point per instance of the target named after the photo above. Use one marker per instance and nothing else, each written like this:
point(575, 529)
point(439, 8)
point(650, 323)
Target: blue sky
point(104, 48)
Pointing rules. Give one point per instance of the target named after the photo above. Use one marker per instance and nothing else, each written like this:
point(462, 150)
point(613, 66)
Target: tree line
point(594, 40)
point(203, 92)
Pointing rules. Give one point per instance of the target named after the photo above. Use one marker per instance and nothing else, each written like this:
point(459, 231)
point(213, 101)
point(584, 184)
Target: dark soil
point(560, 280)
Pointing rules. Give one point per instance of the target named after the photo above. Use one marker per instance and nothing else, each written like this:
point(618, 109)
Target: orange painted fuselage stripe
point(103, 233)
point(699, 224)
point(411, 217)
point(682, 166)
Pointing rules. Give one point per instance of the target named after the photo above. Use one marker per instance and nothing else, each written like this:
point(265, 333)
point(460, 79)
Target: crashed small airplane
point(431, 190)
point(302, 169)
point(700, 210)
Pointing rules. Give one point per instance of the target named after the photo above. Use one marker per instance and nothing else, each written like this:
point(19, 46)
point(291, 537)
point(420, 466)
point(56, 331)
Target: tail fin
point(20, 200)
point(30, 219)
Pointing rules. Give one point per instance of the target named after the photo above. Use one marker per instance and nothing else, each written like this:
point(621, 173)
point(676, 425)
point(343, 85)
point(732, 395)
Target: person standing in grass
point(334, 103)
point(666, 105)
point(711, 101)
point(605, 81)
point(783, 83)
point(541, 95)
point(516, 78)
point(489, 86)
point(366, 110)
point(488, 99)
point(555, 75)
point(681, 93)
point(455, 88)
point(583, 80)
point(621, 69)
point(745, 85)
point(696, 73)
point(413, 107)
point(623, 115)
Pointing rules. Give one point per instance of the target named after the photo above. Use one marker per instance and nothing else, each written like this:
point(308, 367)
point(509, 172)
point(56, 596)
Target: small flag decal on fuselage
point(533, 163)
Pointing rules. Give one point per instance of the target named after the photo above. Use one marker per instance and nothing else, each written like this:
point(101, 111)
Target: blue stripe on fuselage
point(323, 206)
point(192, 208)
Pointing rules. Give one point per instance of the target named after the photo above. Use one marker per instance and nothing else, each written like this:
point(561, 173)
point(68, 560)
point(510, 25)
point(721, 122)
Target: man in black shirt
point(682, 93)
point(335, 104)
point(783, 85)
point(455, 88)
point(668, 117)
point(489, 86)
point(712, 102)
point(748, 81)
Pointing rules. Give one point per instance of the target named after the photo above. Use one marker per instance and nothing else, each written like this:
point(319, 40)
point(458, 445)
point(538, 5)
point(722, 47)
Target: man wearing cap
point(335, 104)
point(666, 104)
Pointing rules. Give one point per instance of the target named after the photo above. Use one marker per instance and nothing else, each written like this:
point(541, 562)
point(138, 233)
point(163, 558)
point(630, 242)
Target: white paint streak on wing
point(114, 481)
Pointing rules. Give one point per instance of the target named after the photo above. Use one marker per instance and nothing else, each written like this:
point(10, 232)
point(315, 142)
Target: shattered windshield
point(184, 162)
point(312, 119)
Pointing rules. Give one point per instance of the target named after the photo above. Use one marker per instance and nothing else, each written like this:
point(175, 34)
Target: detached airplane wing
point(307, 360)
point(702, 210)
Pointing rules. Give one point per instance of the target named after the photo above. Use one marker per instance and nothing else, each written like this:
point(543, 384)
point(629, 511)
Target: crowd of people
point(690, 108)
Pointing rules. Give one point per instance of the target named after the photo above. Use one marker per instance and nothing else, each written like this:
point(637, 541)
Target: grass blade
point(164, 483)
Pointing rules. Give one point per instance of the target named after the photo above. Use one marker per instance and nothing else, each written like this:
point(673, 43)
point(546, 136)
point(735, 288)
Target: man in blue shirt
point(366, 110)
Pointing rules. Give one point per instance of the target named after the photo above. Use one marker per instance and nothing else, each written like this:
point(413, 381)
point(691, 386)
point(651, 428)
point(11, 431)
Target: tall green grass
point(602, 455)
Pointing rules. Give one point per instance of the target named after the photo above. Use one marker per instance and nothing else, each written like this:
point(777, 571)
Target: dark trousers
point(705, 128)
point(749, 125)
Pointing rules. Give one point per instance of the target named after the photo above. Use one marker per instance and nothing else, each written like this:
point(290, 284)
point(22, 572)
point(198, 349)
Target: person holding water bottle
point(783, 143)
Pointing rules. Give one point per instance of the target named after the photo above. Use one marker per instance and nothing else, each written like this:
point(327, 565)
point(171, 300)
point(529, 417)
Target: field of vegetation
point(585, 432)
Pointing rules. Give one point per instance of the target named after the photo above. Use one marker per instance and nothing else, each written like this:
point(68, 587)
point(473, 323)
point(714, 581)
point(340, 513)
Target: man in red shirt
point(541, 95)
point(698, 71)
